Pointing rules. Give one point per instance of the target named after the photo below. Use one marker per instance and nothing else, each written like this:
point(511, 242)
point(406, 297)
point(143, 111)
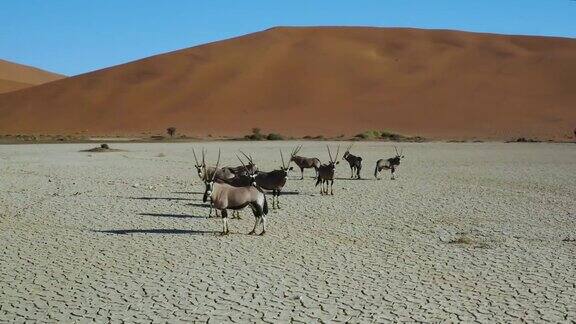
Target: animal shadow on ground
point(198, 205)
point(171, 215)
point(291, 193)
point(188, 192)
point(157, 231)
point(156, 198)
point(362, 179)
point(287, 193)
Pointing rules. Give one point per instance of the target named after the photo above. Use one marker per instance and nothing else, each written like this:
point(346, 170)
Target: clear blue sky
point(77, 36)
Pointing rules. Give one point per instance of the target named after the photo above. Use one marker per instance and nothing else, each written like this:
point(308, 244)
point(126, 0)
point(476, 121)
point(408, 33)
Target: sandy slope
point(17, 76)
point(309, 81)
point(79, 240)
point(9, 85)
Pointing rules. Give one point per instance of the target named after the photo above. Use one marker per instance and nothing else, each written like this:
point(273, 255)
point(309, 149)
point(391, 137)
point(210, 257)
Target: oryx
point(225, 196)
point(305, 163)
point(249, 168)
point(276, 179)
point(229, 173)
point(354, 161)
point(244, 176)
point(326, 173)
point(201, 167)
point(389, 164)
point(206, 173)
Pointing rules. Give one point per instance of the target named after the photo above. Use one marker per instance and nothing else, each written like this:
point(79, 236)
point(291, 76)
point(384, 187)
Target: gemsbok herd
point(236, 187)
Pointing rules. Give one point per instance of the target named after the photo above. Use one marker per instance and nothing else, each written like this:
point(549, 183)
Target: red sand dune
point(16, 76)
point(328, 80)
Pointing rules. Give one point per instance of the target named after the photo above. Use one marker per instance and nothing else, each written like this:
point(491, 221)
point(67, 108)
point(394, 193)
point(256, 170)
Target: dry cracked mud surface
point(479, 232)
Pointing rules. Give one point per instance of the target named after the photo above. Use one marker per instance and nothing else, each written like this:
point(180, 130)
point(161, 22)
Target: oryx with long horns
point(326, 173)
point(206, 172)
point(354, 161)
point(304, 162)
point(276, 179)
point(201, 167)
point(244, 169)
point(389, 164)
point(243, 177)
point(225, 196)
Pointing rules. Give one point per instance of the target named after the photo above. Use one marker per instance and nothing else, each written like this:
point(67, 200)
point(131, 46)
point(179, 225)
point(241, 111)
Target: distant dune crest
point(329, 80)
point(17, 76)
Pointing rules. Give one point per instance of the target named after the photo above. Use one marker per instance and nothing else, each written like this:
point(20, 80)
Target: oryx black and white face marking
point(253, 179)
point(286, 171)
point(200, 166)
point(208, 190)
point(200, 170)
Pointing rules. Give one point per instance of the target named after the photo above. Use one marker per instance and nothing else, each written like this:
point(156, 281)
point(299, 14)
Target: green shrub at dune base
point(258, 136)
point(388, 136)
point(274, 137)
point(255, 137)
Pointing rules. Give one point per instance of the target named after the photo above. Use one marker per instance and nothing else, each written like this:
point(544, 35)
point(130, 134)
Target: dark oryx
point(304, 162)
point(354, 161)
point(249, 168)
point(276, 179)
point(326, 173)
point(389, 164)
point(225, 196)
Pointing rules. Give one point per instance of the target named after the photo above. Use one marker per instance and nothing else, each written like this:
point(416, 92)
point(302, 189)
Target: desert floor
point(468, 232)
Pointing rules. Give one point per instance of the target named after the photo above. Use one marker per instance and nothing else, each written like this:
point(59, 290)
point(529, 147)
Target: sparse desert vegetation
point(387, 136)
point(171, 131)
point(101, 149)
point(274, 137)
point(257, 135)
point(524, 140)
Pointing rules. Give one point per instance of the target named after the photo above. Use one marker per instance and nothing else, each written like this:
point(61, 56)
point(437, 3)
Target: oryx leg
point(263, 225)
point(213, 209)
point(258, 215)
point(331, 187)
point(351, 172)
point(278, 198)
point(224, 222)
point(380, 170)
point(256, 221)
point(358, 168)
point(301, 173)
point(392, 170)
